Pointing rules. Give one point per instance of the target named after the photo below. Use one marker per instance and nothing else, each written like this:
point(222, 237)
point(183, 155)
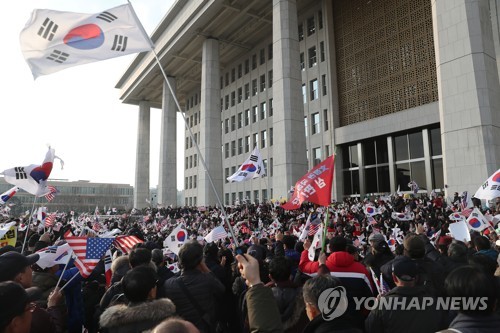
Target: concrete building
point(400, 90)
point(79, 196)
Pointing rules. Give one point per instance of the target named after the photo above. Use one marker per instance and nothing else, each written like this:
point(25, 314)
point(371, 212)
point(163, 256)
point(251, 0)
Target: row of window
point(235, 197)
point(233, 169)
point(244, 68)
point(237, 96)
point(190, 182)
point(244, 118)
point(311, 25)
point(190, 201)
point(317, 156)
point(191, 161)
point(189, 141)
point(313, 89)
point(244, 144)
point(316, 123)
point(312, 56)
point(192, 101)
point(193, 119)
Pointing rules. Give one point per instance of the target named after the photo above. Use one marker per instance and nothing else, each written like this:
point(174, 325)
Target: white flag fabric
point(33, 178)
point(8, 194)
point(54, 255)
point(409, 216)
point(216, 234)
point(490, 188)
point(476, 221)
point(5, 228)
point(316, 243)
point(176, 239)
point(53, 40)
point(41, 214)
point(252, 168)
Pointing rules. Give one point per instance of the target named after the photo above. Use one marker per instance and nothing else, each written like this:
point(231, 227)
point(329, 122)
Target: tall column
point(289, 152)
point(392, 166)
point(210, 119)
point(141, 189)
point(167, 179)
point(469, 92)
point(427, 160)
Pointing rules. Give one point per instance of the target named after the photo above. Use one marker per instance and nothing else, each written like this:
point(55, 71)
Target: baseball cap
point(13, 263)
point(376, 238)
point(405, 269)
point(414, 246)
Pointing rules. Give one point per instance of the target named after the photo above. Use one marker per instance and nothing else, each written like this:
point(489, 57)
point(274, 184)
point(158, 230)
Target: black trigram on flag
point(119, 43)
point(48, 29)
point(254, 158)
point(20, 173)
point(107, 16)
point(58, 56)
point(107, 260)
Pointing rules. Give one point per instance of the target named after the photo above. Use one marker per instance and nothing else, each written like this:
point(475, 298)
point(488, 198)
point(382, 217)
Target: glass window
point(401, 147)
point(369, 152)
point(355, 181)
point(320, 20)
point(327, 151)
point(312, 56)
point(270, 107)
point(264, 195)
point(322, 51)
point(301, 32)
point(305, 126)
point(437, 173)
point(247, 66)
point(247, 91)
point(226, 126)
point(302, 61)
point(226, 102)
point(263, 139)
point(354, 156)
point(227, 79)
point(271, 136)
point(194, 181)
point(233, 123)
point(254, 113)
point(271, 165)
point(233, 75)
point(233, 148)
point(226, 150)
point(311, 28)
point(384, 183)
point(240, 71)
point(315, 123)
point(262, 110)
point(233, 197)
point(316, 156)
point(240, 120)
point(403, 176)
point(254, 61)
point(382, 153)
point(195, 159)
point(233, 98)
point(313, 89)
point(416, 145)
point(325, 120)
point(371, 180)
point(436, 149)
point(304, 94)
point(240, 146)
point(347, 182)
point(262, 83)
point(262, 56)
point(270, 51)
point(195, 119)
point(418, 173)
point(240, 95)
point(323, 84)
point(256, 196)
point(247, 143)
point(270, 78)
point(247, 117)
point(254, 87)
point(256, 140)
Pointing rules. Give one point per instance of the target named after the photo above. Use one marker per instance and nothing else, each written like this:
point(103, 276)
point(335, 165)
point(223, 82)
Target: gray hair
point(315, 286)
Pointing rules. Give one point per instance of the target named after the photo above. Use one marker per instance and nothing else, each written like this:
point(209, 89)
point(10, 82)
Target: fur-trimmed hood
point(137, 317)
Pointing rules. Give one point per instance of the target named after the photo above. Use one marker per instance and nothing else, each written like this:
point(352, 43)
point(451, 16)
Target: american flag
point(126, 243)
point(88, 252)
point(52, 194)
point(96, 226)
point(314, 226)
point(50, 220)
point(466, 212)
point(465, 200)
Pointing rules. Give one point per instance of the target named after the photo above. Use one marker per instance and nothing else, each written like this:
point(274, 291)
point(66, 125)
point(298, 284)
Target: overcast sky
point(77, 110)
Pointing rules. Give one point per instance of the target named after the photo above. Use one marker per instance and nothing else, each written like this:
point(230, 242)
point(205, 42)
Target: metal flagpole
point(64, 269)
point(202, 160)
point(74, 276)
point(28, 227)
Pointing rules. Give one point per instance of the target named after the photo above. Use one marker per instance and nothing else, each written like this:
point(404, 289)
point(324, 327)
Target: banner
point(8, 234)
point(315, 186)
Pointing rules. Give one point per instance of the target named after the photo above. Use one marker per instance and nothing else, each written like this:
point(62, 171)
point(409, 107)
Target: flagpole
point(325, 228)
point(65, 266)
point(74, 276)
point(28, 227)
point(202, 160)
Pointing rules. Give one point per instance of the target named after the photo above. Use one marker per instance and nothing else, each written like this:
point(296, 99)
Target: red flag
point(88, 252)
point(125, 243)
point(315, 186)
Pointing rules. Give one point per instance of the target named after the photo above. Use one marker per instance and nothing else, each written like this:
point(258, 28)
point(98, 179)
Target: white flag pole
point(74, 276)
point(28, 227)
point(65, 266)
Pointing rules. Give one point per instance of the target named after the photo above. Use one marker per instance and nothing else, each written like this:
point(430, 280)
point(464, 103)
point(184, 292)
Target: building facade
point(79, 196)
point(399, 90)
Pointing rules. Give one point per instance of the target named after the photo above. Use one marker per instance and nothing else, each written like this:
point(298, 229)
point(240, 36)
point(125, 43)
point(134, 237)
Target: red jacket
point(340, 261)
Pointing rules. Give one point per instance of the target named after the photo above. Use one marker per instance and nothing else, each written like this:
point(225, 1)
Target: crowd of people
point(272, 278)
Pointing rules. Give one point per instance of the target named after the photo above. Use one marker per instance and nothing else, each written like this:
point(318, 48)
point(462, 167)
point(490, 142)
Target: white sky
point(77, 110)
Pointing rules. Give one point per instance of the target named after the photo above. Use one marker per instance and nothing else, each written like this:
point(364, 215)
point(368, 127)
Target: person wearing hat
point(16, 313)
point(17, 268)
point(379, 254)
point(399, 316)
point(196, 291)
